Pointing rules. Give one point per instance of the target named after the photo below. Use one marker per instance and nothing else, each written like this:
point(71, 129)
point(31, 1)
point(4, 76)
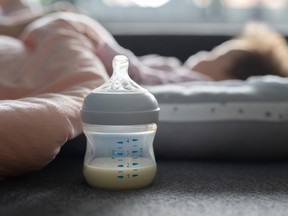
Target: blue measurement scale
point(128, 149)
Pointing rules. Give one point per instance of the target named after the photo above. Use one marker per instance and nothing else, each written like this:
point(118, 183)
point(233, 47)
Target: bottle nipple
point(120, 101)
point(120, 80)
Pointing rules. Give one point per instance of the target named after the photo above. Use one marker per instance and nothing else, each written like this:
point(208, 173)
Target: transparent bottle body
point(119, 157)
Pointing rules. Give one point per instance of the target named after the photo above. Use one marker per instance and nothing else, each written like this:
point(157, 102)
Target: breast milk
point(119, 173)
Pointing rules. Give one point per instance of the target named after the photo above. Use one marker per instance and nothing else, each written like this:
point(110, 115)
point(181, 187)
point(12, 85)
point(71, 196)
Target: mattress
point(226, 119)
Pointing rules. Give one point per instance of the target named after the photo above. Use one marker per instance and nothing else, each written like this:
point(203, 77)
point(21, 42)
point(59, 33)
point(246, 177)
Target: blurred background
point(180, 16)
point(166, 25)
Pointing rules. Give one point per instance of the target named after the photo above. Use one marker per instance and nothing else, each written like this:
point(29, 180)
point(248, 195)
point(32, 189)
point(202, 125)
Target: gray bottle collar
point(120, 109)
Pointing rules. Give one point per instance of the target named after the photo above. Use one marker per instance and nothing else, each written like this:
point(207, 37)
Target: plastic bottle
point(119, 121)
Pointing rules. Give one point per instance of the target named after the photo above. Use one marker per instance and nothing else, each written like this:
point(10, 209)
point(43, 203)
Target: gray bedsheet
point(182, 187)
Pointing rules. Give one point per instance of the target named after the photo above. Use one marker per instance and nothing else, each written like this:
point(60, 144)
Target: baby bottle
point(119, 121)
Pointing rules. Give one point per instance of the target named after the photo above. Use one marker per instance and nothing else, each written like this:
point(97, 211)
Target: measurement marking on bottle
point(135, 175)
point(120, 177)
point(120, 165)
point(134, 140)
point(120, 153)
point(120, 142)
point(135, 164)
point(134, 151)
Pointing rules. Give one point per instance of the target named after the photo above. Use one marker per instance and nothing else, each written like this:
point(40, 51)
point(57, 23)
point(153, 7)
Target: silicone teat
point(120, 80)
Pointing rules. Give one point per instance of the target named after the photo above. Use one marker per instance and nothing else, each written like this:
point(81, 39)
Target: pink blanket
point(45, 76)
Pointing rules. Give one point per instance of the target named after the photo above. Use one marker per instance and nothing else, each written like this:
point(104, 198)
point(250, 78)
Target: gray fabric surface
point(180, 188)
point(225, 140)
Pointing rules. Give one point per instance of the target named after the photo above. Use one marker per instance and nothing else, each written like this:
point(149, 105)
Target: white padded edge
point(240, 111)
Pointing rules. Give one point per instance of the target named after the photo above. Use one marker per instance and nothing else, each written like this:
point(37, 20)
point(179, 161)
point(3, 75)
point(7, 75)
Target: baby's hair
point(267, 53)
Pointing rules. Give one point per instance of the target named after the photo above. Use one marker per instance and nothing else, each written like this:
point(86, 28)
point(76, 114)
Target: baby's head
point(257, 51)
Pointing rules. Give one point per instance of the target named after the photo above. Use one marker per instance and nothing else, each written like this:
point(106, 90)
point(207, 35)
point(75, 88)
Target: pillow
point(228, 119)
